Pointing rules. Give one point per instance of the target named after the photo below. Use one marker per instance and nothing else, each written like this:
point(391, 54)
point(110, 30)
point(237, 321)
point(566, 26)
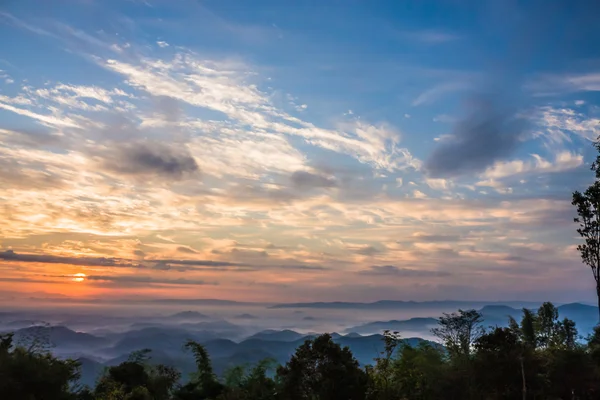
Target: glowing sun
point(80, 277)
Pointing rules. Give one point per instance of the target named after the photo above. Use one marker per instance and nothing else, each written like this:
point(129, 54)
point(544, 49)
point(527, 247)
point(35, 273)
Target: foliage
point(322, 370)
point(29, 373)
point(458, 331)
point(539, 357)
point(588, 211)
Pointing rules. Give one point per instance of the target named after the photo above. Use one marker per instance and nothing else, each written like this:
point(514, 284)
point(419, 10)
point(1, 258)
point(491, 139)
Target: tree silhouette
point(459, 330)
point(322, 370)
point(588, 209)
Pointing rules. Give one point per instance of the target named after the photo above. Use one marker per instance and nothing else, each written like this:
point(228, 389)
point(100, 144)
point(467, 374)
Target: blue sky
point(273, 150)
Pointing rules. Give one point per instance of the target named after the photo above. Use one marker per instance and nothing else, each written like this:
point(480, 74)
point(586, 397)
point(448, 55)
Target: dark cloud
point(10, 255)
point(390, 270)
point(151, 159)
point(127, 280)
point(307, 267)
point(369, 251)
point(437, 238)
point(490, 132)
point(139, 253)
point(307, 180)
point(527, 34)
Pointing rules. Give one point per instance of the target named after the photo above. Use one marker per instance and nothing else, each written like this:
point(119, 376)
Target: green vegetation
point(538, 357)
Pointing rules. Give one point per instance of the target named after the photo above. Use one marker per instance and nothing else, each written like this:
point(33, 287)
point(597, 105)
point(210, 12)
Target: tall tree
point(459, 330)
point(588, 209)
point(322, 370)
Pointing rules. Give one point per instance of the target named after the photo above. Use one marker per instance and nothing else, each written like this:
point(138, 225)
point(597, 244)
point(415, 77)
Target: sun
point(79, 277)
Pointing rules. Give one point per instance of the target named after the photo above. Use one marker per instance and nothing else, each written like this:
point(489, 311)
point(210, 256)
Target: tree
point(137, 379)
point(254, 384)
point(499, 366)
point(458, 331)
point(419, 372)
point(322, 370)
point(204, 383)
point(30, 373)
point(588, 209)
point(381, 379)
point(547, 325)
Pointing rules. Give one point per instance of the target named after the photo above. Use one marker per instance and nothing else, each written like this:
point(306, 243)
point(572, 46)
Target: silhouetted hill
point(353, 335)
point(167, 348)
point(246, 316)
point(413, 325)
point(280, 336)
point(60, 337)
point(188, 315)
point(397, 304)
point(90, 371)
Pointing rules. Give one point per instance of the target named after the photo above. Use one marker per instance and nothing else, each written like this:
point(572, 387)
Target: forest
point(538, 357)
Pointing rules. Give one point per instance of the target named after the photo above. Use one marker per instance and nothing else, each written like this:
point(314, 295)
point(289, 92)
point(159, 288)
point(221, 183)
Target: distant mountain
point(499, 310)
point(246, 316)
point(202, 302)
point(397, 304)
point(61, 338)
point(167, 348)
point(585, 316)
point(188, 315)
point(353, 335)
point(90, 371)
point(578, 311)
point(22, 323)
point(279, 336)
point(412, 325)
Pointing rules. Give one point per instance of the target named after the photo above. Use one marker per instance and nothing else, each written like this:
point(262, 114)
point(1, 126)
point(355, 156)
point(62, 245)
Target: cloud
point(47, 120)
point(306, 180)
point(490, 132)
point(564, 161)
point(150, 159)
point(390, 270)
point(435, 238)
point(222, 87)
point(128, 280)
point(187, 250)
point(559, 124)
point(10, 255)
point(552, 83)
point(438, 184)
point(369, 251)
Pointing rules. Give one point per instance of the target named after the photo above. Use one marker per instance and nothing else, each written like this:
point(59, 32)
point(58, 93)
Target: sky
point(276, 151)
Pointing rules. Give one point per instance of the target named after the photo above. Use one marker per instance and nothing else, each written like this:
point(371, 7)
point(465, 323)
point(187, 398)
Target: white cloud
point(438, 184)
point(563, 161)
point(44, 119)
point(551, 84)
point(417, 194)
point(223, 87)
point(559, 123)
point(162, 44)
